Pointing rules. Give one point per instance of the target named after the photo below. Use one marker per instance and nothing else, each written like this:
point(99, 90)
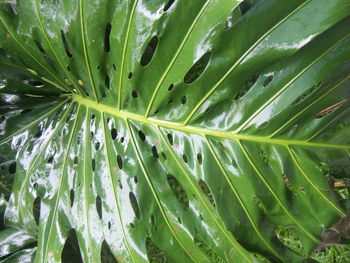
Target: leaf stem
point(200, 130)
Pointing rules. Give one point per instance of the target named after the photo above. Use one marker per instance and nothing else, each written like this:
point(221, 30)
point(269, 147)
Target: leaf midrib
point(200, 130)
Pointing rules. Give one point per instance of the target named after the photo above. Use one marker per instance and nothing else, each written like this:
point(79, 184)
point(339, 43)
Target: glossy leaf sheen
point(171, 131)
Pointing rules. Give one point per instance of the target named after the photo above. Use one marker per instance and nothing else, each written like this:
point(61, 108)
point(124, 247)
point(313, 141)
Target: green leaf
point(174, 131)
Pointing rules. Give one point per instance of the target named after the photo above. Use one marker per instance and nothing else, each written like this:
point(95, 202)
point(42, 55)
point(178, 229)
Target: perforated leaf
point(173, 130)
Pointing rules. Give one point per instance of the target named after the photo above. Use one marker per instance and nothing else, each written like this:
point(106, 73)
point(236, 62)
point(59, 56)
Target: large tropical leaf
point(173, 131)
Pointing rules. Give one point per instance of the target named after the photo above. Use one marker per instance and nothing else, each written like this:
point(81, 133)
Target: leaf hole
point(107, 82)
point(71, 197)
point(71, 249)
point(247, 86)
point(142, 136)
point(136, 179)
point(200, 158)
point(205, 189)
point(114, 134)
point(50, 160)
point(179, 192)
point(153, 221)
point(185, 158)
point(179, 220)
point(154, 254)
point(155, 152)
point(99, 206)
point(171, 87)
point(264, 125)
point(107, 40)
point(106, 253)
point(264, 156)
point(164, 156)
point(12, 168)
point(307, 93)
point(130, 75)
point(120, 184)
point(38, 134)
point(34, 83)
point(134, 205)
point(183, 99)
point(97, 146)
point(26, 111)
point(149, 51)
point(197, 69)
point(40, 47)
point(207, 251)
point(234, 163)
point(268, 81)
point(93, 164)
point(287, 237)
point(134, 94)
point(231, 19)
point(36, 209)
point(65, 44)
point(168, 5)
point(120, 162)
point(170, 138)
point(209, 109)
point(245, 6)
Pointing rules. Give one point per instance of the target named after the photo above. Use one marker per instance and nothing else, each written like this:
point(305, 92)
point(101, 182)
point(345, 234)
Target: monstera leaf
point(173, 130)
